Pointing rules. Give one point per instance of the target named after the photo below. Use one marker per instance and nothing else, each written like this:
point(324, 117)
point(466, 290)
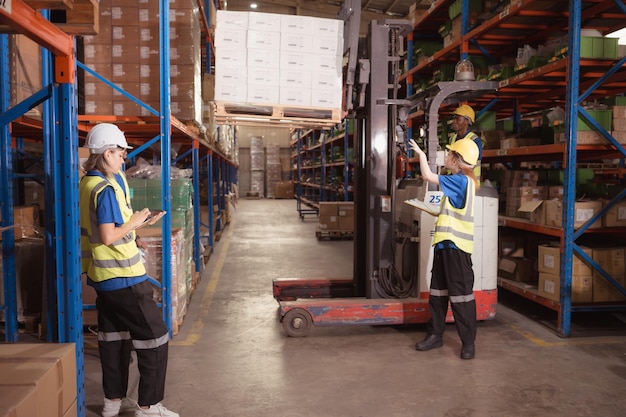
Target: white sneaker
point(114, 408)
point(155, 410)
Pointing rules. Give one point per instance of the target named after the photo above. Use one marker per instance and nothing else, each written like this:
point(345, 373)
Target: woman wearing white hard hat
point(128, 317)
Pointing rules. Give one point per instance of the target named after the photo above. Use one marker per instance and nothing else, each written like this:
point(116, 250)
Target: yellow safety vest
point(473, 136)
point(100, 261)
point(457, 225)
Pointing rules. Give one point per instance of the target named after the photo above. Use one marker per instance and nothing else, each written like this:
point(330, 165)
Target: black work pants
point(453, 281)
point(129, 318)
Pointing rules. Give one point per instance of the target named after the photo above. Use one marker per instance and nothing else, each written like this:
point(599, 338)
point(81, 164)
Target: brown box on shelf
point(549, 286)
point(328, 223)
point(582, 287)
point(616, 215)
point(125, 73)
point(604, 292)
point(549, 260)
point(534, 211)
point(492, 138)
point(521, 178)
point(125, 54)
point(125, 15)
point(613, 262)
point(583, 137)
point(328, 208)
point(619, 112)
point(555, 191)
point(583, 211)
point(512, 143)
point(516, 269)
point(620, 136)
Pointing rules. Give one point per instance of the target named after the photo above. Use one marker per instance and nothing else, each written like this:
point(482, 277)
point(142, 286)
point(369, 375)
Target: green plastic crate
point(455, 8)
point(603, 117)
point(487, 120)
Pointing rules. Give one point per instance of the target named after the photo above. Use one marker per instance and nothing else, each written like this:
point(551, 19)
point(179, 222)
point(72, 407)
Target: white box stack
point(286, 60)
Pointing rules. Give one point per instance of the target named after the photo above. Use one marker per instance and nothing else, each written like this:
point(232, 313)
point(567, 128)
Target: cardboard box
point(328, 223)
point(283, 189)
point(582, 288)
point(512, 143)
point(534, 211)
point(345, 209)
point(549, 260)
point(18, 401)
point(615, 216)
point(583, 211)
point(328, 208)
point(613, 262)
point(549, 286)
point(48, 368)
point(516, 269)
point(520, 178)
point(345, 223)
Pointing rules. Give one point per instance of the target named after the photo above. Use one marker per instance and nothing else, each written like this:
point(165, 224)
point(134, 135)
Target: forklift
point(393, 250)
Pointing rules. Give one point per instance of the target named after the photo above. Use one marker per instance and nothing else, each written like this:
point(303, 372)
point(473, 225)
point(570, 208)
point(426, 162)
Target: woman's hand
point(415, 147)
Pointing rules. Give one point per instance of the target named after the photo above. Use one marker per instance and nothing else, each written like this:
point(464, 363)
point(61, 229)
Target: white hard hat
point(105, 136)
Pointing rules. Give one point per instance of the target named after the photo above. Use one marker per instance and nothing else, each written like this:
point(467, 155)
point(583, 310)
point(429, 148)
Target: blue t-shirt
point(454, 187)
point(108, 211)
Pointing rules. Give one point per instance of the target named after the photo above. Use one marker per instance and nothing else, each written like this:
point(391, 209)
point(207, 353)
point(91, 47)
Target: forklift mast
point(375, 154)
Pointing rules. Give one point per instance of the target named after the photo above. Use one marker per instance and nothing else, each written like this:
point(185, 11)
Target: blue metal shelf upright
point(60, 138)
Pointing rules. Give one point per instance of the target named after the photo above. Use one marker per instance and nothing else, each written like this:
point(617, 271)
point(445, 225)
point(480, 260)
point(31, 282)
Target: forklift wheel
point(297, 322)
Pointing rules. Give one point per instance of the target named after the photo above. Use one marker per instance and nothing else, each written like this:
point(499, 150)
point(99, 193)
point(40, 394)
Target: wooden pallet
point(334, 234)
point(285, 116)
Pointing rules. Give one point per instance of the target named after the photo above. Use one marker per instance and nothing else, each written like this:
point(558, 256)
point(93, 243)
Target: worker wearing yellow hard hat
point(463, 118)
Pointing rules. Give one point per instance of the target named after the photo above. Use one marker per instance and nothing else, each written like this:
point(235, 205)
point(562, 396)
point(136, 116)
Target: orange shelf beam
point(31, 23)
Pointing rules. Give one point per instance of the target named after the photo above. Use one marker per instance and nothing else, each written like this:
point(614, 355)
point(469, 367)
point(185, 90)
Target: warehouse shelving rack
point(559, 82)
point(60, 130)
point(313, 157)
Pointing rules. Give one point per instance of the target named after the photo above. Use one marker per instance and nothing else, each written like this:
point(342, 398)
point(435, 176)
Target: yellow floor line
point(569, 342)
point(196, 329)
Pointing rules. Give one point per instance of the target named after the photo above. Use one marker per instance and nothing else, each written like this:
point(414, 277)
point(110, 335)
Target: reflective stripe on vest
point(102, 262)
point(457, 225)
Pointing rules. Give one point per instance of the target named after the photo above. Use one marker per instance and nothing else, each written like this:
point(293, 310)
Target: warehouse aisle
point(232, 359)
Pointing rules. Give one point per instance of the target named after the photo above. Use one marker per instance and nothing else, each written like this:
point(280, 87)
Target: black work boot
point(431, 341)
point(468, 352)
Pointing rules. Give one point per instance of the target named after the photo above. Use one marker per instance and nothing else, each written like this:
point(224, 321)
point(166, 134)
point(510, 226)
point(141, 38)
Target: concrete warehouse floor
point(231, 357)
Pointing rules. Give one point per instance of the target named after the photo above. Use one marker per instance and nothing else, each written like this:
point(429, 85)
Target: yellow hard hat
point(467, 148)
point(465, 111)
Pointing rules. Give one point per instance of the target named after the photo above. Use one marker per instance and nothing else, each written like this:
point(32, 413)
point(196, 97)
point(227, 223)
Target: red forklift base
point(327, 302)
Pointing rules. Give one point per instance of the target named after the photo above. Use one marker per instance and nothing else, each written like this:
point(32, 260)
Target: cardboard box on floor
point(48, 369)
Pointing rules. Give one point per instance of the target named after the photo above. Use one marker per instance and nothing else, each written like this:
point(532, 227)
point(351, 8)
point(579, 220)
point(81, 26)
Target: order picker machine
point(392, 241)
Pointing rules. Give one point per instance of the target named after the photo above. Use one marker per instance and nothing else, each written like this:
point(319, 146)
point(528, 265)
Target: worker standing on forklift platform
point(463, 118)
point(452, 274)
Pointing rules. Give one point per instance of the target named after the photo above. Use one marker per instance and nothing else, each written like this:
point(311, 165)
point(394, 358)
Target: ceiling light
point(253, 5)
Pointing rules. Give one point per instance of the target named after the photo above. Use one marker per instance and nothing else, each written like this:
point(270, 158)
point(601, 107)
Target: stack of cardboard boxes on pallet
point(126, 52)
point(273, 59)
point(336, 217)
